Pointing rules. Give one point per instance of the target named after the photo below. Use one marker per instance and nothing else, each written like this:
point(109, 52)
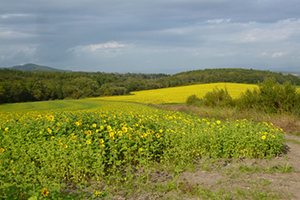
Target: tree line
point(24, 86)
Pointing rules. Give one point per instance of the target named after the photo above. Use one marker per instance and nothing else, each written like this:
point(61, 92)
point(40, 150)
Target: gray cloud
point(150, 36)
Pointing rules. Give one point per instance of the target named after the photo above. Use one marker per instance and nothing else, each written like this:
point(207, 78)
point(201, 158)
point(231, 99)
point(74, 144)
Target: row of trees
point(22, 86)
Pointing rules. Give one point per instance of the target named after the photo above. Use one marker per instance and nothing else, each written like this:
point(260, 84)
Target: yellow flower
point(45, 192)
point(6, 129)
point(77, 123)
point(101, 141)
point(88, 141)
point(102, 145)
point(2, 150)
point(120, 133)
point(109, 128)
point(140, 149)
point(89, 133)
point(66, 146)
point(157, 135)
point(218, 122)
point(97, 192)
point(49, 130)
point(263, 137)
point(58, 124)
point(130, 136)
point(101, 127)
point(51, 117)
point(124, 129)
point(94, 125)
point(111, 135)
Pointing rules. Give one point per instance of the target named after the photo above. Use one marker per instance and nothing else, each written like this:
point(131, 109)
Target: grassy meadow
point(89, 148)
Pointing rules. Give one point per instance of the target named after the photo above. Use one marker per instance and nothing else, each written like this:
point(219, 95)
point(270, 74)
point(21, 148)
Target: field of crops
point(48, 146)
point(180, 94)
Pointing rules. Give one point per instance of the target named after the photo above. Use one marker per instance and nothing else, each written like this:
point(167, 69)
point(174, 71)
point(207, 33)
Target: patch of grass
point(293, 141)
point(280, 168)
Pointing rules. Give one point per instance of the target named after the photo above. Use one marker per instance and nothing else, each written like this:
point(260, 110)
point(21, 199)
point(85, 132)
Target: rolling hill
point(34, 67)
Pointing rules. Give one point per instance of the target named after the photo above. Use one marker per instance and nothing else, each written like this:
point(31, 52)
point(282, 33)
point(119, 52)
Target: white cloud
point(277, 54)
point(106, 49)
point(108, 45)
point(277, 32)
point(9, 34)
point(273, 55)
point(6, 16)
point(218, 21)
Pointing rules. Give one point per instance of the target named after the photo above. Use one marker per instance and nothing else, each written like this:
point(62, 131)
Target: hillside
point(22, 86)
point(235, 75)
point(34, 67)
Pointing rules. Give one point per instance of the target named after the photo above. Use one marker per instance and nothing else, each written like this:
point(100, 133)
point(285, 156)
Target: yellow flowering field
point(49, 146)
point(180, 94)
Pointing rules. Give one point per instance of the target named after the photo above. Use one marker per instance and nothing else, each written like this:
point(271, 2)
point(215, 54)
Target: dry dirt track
point(227, 176)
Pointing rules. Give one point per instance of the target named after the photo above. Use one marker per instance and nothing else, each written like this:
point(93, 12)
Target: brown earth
point(279, 177)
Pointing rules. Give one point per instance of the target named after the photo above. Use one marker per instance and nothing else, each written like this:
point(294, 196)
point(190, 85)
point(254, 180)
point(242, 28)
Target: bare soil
point(278, 178)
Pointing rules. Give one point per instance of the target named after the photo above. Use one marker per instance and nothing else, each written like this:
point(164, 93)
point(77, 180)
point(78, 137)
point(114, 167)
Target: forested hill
point(22, 86)
point(34, 67)
point(236, 75)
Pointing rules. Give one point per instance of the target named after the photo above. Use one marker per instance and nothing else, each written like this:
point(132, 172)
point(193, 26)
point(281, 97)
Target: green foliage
point(63, 149)
point(192, 100)
point(51, 85)
point(218, 97)
point(272, 97)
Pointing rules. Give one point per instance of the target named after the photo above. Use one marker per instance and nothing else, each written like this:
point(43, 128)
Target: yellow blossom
point(124, 129)
point(45, 192)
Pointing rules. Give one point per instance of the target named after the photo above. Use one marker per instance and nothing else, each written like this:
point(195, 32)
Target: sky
point(151, 36)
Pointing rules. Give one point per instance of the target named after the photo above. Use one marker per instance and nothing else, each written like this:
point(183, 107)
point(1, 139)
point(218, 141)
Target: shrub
point(192, 100)
point(271, 97)
point(218, 97)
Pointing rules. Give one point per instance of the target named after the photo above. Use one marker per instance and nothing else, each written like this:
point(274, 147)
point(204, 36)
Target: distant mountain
point(34, 67)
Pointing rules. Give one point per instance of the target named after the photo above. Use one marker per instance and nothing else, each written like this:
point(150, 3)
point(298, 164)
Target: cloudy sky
point(151, 36)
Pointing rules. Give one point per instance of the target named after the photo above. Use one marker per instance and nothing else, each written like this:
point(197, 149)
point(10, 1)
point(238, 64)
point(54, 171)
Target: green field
point(47, 147)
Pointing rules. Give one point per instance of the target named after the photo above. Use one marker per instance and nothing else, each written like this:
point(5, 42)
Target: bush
point(217, 98)
point(271, 97)
point(192, 100)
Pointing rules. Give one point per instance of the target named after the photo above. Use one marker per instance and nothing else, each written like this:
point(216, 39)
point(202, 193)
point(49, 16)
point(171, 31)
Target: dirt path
point(283, 175)
point(278, 178)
